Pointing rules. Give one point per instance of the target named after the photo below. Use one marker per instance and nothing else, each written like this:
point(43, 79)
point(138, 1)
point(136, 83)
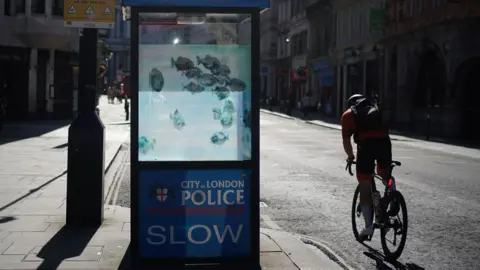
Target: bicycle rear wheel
point(356, 212)
point(393, 204)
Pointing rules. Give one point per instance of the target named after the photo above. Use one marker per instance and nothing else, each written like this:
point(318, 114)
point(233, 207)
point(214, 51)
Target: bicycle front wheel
point(356, 212)
point(393, 205)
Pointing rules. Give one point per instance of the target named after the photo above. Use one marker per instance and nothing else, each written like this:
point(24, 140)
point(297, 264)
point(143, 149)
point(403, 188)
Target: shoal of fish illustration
point(217, 80)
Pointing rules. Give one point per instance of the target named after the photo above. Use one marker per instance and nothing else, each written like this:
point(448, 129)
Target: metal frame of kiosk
point(252, 260)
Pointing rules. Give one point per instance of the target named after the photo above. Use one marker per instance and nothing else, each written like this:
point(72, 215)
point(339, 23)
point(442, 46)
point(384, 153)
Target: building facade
point(38, 56)
point(291, 49)
point(268, 50)
point(358, 51)
point(119, 43)
point(320, 57)
point(433, 61)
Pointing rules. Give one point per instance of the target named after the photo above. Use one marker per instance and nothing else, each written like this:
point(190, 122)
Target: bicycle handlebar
point(349, 167)
point(350, 163)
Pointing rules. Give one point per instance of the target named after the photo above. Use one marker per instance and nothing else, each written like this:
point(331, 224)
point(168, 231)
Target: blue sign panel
point(194, 213)
point(321, 64)
point(196, 3)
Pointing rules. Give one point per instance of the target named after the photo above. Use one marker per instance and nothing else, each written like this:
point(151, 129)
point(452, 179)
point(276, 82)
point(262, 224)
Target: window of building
point(57, 7)
point(122, 29)
point(6, 7)
point(38, 6)
point(438, 3)
point(20, 6)
point(299, 43)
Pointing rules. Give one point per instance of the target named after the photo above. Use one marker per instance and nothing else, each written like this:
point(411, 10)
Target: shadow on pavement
point(66, 243)
point(23, 130)
point(7, 219)
point(31, 191)
point(381, 261)
point(126, 263)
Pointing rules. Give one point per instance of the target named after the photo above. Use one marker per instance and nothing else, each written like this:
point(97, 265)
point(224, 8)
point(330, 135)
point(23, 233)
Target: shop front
point(323, 88)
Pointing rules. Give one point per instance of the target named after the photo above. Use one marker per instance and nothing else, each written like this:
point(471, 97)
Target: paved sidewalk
point(398, 139)
point(40, 241)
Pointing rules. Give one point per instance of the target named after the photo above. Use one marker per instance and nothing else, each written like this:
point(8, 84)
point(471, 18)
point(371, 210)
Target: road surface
point(306, 191)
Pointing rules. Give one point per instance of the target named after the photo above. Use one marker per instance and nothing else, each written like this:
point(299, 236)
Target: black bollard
point(86, 141)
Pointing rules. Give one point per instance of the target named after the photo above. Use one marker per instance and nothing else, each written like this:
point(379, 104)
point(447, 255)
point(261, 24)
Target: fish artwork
point(247, 118)
point(217, 113)
point(222, 92)
point(221, 70)
point(209, 62)
point(156, 80)
point(223, 80)
point(193, 73)
point(207, 79)
point(177, 119)
point(228, 107)
point(144, 144)
point(237, 85)
point(219, 138)
point(182, 63)
point(226, 120)
point(193, 88)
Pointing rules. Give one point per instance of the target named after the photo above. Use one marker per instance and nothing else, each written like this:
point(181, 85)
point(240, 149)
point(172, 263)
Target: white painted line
point(262, 204)
point(270, 223)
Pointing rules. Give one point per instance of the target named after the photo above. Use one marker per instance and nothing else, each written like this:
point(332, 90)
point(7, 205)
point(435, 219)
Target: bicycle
point(387, 216)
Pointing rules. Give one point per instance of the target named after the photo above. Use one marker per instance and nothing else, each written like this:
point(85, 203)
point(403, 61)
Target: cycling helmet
point(353, 99)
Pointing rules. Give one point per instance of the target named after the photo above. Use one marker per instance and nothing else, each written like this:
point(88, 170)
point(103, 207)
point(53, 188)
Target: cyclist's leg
point(383, 157)
point(365, 168)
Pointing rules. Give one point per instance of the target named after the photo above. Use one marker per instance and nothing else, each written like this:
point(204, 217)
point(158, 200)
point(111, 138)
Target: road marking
point(262, 204)
point(270, 223)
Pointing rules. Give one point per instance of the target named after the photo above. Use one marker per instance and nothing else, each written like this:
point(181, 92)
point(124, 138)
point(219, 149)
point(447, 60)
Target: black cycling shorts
point(370, 151)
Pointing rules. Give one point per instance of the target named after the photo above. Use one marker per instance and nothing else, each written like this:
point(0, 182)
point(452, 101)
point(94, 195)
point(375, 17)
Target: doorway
point(470, 110)
point(42, 59)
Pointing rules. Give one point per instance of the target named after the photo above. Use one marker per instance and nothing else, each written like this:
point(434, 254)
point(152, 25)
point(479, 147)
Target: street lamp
point(176, 41)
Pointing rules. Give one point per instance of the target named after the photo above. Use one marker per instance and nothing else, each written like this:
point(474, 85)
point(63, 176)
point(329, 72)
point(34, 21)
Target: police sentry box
point(195, 133)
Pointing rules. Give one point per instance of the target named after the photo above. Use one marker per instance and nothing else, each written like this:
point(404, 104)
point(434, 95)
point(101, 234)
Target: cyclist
point(373, 144)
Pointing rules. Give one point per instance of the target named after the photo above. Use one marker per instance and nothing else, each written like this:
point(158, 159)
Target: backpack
point(367, 116)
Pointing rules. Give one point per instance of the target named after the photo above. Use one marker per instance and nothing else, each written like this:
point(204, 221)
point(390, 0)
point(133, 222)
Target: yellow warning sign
point(107, 11)
point(89, 13)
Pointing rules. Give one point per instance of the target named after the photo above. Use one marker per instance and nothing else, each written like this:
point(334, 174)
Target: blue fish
point(229, 107)
point(182, 63)
point(219, 138)
point(177, 119)
point(247, 118)
point(222, 92)
point(156, 80)
point(209, 62)
point(193, 88)
point(217, 113)
point(226, 120)
point(222, 70)
point(144, 145)
point(237, 85)
point(207, 79)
